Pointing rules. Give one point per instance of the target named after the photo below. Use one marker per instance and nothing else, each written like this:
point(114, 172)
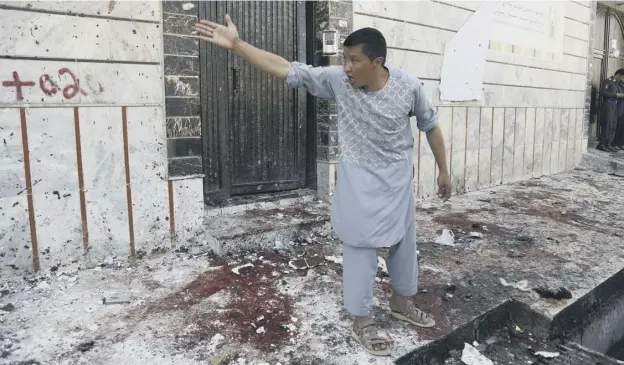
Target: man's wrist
point(236, 45)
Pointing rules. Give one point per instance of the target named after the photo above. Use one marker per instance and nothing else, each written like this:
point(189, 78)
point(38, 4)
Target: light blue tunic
point(373, 203)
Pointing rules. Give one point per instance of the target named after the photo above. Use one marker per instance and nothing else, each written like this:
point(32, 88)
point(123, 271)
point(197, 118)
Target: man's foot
point(365, 332)
point(605, 148)
point(403, 309)
point(612, 149)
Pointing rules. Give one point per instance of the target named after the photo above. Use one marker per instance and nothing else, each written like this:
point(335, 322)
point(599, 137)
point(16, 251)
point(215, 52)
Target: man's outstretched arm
point(318, 81)
point(227, 37)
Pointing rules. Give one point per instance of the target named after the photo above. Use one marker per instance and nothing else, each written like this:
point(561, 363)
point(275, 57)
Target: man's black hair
point(372, 41)
point(619, 72)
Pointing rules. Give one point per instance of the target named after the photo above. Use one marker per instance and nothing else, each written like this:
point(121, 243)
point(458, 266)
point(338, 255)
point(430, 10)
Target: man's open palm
point(224, 36)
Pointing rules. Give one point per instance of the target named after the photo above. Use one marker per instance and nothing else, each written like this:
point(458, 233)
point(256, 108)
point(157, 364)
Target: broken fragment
point(554, 293)
point(243, 269)
point(447, 238)
point(475, 235)
point(306, 263)
point(8, 307)
point(117, 299)
point(522, 285)
point(298, 264)
point(313, 261)
point(85, 346)
point(381, 263)
point(546, 354)
point(334, 259)
point(471, 356)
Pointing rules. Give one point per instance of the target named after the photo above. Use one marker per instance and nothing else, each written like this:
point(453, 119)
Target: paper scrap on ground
point(521, 285)
point(381, 263)
point(546, 354)
point(334, 259)
point(471, 356)
point(447, 238)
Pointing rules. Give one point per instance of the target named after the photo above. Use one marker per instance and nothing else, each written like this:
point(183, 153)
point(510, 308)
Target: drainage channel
point(588, 331)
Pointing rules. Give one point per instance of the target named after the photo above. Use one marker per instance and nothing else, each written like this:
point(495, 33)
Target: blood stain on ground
point(255, 312)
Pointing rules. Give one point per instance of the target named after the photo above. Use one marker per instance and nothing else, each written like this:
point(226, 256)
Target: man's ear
point(379, 61)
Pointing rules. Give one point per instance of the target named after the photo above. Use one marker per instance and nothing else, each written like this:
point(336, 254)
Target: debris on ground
point(381, 264)
point(197, 310)
point(554, 293)
point(522, 285)
point(447, 238)
point(243, 269)
point(334, 259)
point(547, 354)
point(116, 299)
point(471, 356)
point(514, 254)
point(9, 307)
point(475, 235)
point(306, 263)
point(85, 346)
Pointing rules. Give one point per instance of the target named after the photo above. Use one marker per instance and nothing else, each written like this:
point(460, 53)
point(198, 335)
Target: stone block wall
point(182, 99)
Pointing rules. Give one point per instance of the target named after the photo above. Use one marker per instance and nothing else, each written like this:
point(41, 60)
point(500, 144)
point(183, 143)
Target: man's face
point(358, 67)
point(619, 77)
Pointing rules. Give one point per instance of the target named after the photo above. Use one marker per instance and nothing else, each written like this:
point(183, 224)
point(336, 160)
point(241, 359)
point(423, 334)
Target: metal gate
point(253, 125)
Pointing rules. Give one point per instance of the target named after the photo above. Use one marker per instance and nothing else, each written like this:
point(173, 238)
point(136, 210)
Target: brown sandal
point(368, 336)
point(414, 316)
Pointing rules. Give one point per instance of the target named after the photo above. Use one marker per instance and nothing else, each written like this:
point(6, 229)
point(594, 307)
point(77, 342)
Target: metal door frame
point(214, 94)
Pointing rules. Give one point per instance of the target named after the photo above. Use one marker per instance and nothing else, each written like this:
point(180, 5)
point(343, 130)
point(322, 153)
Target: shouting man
point(373, 204)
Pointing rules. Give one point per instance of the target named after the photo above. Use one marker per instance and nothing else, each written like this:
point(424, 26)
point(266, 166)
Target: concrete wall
point(85, 137)
point(531, 121)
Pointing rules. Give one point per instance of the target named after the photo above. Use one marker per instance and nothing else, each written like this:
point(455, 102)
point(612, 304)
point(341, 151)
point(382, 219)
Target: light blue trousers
point(359, 265)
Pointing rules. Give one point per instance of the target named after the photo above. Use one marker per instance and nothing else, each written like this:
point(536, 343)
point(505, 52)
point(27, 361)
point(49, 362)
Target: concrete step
point(599, 161)
point(266, 226)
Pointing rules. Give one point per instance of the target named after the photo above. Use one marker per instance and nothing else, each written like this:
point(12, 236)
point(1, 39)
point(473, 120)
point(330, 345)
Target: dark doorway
point(253, 125)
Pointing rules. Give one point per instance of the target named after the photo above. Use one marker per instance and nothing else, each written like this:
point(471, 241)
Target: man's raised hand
point(224, 36)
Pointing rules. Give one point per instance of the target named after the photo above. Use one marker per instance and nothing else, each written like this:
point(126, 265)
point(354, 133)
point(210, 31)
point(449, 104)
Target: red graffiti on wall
point(18, 84)
point(50, 88)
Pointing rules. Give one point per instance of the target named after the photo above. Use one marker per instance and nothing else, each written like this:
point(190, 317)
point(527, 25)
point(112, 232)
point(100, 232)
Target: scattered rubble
point(547, 354)
point(554, 293)
point(334, 259)
point(85, 346)
point(522, 285)
point(475, 235)
point(117, 299)
point(9, 307)
point(199, 310)
point(306, 263)
point(243, 269)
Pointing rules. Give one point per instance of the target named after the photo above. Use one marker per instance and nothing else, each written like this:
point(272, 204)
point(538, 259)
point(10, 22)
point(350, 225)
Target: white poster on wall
point(464, 57)
point(524, 29)
point(529, 29)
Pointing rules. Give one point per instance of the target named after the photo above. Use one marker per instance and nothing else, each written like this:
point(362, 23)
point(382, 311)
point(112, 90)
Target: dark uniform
point(618, 141)
point(608, 113)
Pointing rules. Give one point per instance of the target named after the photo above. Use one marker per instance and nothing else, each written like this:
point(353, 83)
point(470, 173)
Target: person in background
point(373, 205)
point(618, 141)
point(610, 92)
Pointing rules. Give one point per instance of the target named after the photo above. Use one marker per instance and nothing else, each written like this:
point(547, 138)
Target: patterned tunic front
point(373, 202)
